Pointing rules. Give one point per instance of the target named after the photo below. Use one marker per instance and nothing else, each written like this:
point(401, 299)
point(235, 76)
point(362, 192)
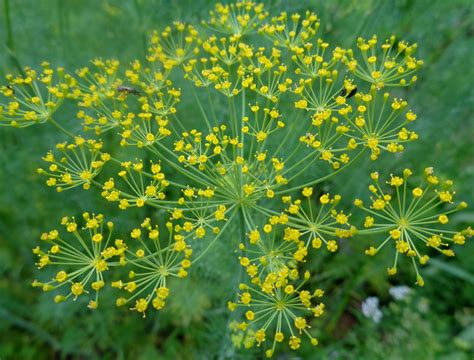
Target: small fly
point(9, 87)
point(351, 93)
point(128, 90)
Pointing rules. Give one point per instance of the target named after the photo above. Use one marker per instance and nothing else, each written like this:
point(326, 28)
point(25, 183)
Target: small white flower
point(400, 292)
point(370, 309)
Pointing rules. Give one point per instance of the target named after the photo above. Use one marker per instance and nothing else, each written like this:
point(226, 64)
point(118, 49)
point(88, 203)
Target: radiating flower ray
point(81, 258)
point(416, 220)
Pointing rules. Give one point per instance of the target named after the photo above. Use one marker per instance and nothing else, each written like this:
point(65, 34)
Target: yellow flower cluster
point(291, 31)
point(384, 130)
point(217, 158)
point(106, 101)
point(393, 65)
point(80, 162)
point(81, 258)
point(318, 226)
point(152, 261)
point(140, 192)
point(34, 97)
point(276, 307)
point(174, 45)
point(413, 219)
point(214, 70)
point(238, 19)
point(200, 212)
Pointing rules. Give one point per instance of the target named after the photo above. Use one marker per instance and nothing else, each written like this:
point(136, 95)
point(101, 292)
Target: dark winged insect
point(128, 90)
point(351, 93)
point(11, 88)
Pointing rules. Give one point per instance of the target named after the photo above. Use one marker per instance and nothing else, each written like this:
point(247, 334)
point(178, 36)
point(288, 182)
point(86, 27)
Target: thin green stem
point(216, 238)
point(317, 181)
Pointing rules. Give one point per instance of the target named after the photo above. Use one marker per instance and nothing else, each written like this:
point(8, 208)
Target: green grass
point(437, 323)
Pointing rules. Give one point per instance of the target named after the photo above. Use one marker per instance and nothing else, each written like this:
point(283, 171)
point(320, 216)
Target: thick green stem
point(242, 223)
point(226, 339)
point(60, 128)
point(10, 41)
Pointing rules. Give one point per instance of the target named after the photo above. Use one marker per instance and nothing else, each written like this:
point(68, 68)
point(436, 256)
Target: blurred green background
point(435, 322)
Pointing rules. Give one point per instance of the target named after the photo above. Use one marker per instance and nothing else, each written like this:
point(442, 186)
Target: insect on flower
point(351, 93)
point(128, 90)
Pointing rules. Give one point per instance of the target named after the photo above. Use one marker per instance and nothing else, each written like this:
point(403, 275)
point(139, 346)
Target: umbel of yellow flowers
point(245, 166)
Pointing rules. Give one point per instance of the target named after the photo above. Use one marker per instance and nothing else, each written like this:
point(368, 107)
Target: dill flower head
point(79, 163)
point(200, 213)
point(139, 187)
point(33, 98)
point(317, 66)
point(277, 309)
point(98, 84)
point(385, 129)
point(80, 258)
point(390, 64)
point(239, 18)
point(146, 129)
point(275, 303)
point(220, 161)
point(222, 65)
point(266, 74)
point(291, 31)
point(267, 252)
point(311, 225)
point(101, 106)
point(413, 219)
point(174, 45)
point(138, 101)
point(152, 259)
point(334, 97)
point(320, 224)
